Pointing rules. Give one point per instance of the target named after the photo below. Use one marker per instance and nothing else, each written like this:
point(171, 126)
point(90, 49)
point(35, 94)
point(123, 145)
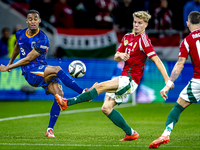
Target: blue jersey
point(38, 41)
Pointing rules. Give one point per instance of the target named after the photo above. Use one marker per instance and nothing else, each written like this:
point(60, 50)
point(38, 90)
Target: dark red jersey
point(191, 46)
point(139, 48)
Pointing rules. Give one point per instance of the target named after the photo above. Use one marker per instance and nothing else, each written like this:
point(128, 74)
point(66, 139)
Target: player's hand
point(3, 68)
point(124, 56)
point(8, 66)
point(163, 92)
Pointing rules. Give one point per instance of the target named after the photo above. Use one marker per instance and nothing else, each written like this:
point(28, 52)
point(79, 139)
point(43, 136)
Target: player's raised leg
point(87, 95)
point(53, 88)
point(53, 71)
point(107, 86)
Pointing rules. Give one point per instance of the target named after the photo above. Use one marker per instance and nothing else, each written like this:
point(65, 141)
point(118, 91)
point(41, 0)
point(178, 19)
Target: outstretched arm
point(174, 75)
point(160, 67)
point(30, 57)
point(14, 54)
point(177, 68)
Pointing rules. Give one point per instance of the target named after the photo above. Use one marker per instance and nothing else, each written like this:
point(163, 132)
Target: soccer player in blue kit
point(32, 44)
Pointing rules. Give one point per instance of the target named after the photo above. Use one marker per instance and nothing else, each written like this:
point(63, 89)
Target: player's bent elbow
point(117, 60)
point(117, 57)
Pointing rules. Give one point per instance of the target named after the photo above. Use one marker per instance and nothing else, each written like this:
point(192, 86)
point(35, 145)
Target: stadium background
point(97, 71)
point(98, 57)
point(24, 118)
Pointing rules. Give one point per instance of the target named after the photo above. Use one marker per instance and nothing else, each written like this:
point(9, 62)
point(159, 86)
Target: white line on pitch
point(75, 145)
point(65, 112)
point(90, 145)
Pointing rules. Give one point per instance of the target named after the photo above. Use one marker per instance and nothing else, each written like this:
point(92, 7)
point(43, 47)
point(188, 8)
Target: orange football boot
point(62, 102)
point(159, 141)
point(130, 137)
point(49, 133)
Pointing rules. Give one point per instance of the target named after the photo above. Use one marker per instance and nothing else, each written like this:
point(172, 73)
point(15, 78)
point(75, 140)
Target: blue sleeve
point(42, 45)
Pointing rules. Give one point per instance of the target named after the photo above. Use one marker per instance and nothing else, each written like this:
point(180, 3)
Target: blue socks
point(69, 82)
point(55, 111)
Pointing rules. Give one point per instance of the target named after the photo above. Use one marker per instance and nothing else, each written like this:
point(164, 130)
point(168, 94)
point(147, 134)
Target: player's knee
point(103, 109)
point(49, 77)
point(106, 109)
point(51, 70)
point(57, 68)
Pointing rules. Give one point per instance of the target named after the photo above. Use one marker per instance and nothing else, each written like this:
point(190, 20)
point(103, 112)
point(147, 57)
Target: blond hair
point(142, 15)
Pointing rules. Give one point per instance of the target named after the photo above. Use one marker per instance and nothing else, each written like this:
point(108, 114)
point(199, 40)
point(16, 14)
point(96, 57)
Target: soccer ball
point(77, 69)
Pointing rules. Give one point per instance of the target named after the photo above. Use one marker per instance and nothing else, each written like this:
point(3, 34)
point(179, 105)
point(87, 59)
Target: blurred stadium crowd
point(101, 14)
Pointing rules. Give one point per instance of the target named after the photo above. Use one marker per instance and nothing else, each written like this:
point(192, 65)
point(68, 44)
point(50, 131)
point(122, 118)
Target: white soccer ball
point(77, 69)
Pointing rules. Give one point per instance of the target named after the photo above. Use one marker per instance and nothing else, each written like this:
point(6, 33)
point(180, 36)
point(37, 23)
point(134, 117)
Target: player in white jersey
point(191, 93)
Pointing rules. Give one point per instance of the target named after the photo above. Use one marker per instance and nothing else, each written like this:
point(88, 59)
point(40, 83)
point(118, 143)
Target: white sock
point(166, 132)
point(132, 131)
point(49, 129)
point(168, 129)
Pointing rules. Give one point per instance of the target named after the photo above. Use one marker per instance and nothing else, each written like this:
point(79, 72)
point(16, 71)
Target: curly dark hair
point(33, 11)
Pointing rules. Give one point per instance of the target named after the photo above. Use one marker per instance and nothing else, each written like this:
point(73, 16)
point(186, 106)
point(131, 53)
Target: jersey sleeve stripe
point(151, 53)
point(141, 48)
point(38, 73)
point(186, 45)
point(144, 39)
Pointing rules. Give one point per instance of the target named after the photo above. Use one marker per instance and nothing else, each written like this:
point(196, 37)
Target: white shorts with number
point(125, 87)
point(191, 93)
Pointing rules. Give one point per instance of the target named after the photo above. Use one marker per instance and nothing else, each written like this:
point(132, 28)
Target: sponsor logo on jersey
point(44, 47)
point(33, 44)
point(40, 67)
point(130, 44)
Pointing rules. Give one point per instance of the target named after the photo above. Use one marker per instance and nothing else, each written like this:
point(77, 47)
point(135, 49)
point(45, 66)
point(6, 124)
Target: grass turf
point(93, 130)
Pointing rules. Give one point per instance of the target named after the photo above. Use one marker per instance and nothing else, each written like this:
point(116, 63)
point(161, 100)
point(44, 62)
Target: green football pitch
point(84, 126)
